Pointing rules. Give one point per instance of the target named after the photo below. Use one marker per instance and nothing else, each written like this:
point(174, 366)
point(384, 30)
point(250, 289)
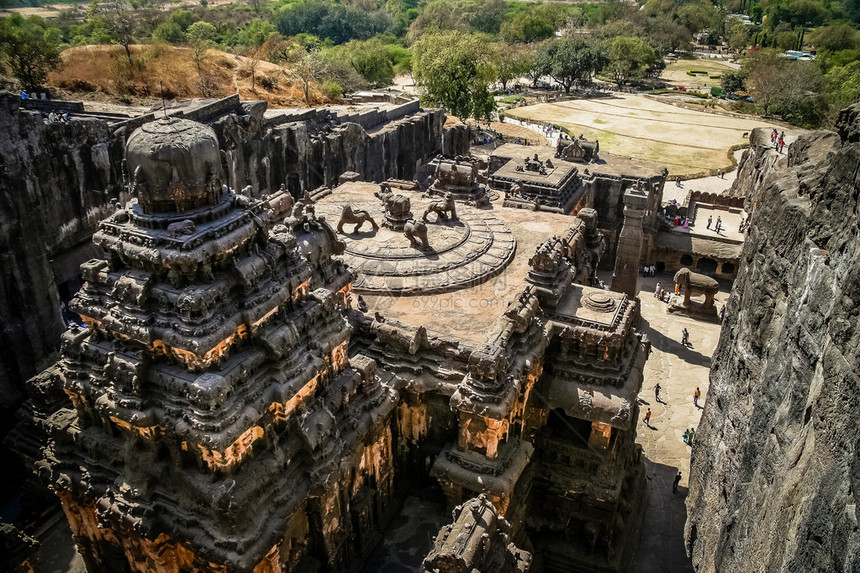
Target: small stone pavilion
point(256, 392)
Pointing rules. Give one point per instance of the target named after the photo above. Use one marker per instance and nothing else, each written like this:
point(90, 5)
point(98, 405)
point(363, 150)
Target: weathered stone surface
point(59, 180)
point(774, 472)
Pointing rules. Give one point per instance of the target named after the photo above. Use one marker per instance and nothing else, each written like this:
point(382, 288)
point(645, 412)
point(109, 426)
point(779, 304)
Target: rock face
point(775, 469)
point(56, 184)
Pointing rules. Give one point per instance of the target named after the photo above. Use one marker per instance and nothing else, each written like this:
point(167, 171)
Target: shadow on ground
point(662, 539)
point(665, 344)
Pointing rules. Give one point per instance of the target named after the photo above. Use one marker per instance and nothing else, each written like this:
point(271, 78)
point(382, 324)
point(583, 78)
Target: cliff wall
point(775, 470)
point(56, 184)
point(58, 181)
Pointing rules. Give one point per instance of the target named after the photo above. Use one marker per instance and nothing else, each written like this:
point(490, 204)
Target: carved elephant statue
point(415, 230)
point(180, 228)
point(695, 283)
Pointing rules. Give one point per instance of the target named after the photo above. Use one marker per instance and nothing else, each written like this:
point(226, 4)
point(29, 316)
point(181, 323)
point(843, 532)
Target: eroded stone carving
point(356, 217)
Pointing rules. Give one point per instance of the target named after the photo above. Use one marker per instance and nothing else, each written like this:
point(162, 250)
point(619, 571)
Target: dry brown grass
point(106, 70)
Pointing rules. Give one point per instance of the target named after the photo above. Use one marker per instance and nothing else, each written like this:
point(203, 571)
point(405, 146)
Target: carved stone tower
point(629, 252)
point(210, 429)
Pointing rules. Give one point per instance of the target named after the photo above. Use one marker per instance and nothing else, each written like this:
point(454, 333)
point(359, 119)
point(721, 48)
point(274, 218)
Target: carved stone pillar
point(629, 250)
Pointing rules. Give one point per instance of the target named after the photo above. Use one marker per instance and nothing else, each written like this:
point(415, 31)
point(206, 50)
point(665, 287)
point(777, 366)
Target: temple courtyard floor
point(679, 370)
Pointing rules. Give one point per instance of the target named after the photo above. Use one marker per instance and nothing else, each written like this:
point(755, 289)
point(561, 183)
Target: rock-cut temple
point(252, 391)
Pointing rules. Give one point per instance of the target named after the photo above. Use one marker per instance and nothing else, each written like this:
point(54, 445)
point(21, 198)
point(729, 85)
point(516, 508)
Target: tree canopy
point(30, 48)
point(454, 70)
point(629, 58)
point(570, 60)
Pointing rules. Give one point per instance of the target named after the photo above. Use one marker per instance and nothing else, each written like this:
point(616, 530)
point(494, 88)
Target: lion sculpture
point(356, 217)
point(415, 230)
point(442, 208)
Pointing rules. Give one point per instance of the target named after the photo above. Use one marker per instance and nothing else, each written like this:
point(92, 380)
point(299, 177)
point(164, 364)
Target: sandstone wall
point(58, 180)
point(775, 470)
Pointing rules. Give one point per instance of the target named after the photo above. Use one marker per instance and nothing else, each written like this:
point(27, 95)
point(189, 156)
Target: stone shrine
point(215, 404)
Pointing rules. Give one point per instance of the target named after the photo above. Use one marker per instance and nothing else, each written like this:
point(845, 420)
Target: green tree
point(629, 58)
point(528, 26)
point(570, 60)
point(511, 62)
point(454, 70)
point(670, 35)
point(173, 29)
point(199, 38)
point(370, 58)
point(842, 85)
point(440, 16)
point(255, 33)
point(733, 81)
point(31, 48)
point(779, 84)
point(118, 18)
point(835, 37)
point(487, 15)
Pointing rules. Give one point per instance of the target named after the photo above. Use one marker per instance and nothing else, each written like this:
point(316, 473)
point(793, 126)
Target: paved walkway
point(679, 370)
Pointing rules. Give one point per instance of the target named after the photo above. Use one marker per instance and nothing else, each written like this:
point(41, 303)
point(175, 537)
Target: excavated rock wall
point(56, 184)
point(775, 470)
point(58, 181)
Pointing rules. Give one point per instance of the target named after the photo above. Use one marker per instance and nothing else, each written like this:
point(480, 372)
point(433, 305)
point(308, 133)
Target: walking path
point(679, 370)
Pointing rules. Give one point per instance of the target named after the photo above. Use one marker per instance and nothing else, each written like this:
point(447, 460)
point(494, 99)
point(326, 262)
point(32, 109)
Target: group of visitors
point(25, 95)
point(58, 117)
point(688, 436)
point(663, 295)
point(745, 223)
point(777, 140)
point(649, 271)
point(718, 226)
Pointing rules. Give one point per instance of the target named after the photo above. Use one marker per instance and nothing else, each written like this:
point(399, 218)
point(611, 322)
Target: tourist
point(52, 117)
point(25, 95)
point(648, 418)
point(773, 136)
point(657, 392)
point(722, 314)
point(710, 220)
point(676, 482)
point(678, 180)
point(717, 225)
point(686, 436)
point(677, 288)
point(781, 144)
point(720, 173)
point(692, 435)
point(657, 290)
point(685, 336)
point(696, 395)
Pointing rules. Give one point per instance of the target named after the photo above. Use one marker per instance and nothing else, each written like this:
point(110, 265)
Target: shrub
point(332, 90)
point(269, 82)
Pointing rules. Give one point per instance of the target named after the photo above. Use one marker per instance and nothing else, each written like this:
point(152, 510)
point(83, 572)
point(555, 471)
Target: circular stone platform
point(463, 253)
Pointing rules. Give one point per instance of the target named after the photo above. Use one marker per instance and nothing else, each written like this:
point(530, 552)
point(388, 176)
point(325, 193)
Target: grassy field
point(685, 141)
point(676, 73)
